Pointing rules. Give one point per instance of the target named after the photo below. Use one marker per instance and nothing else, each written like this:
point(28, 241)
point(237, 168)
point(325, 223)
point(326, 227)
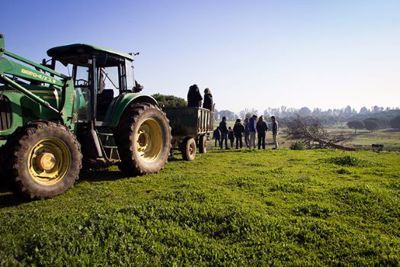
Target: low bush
point(297, 146)
point(347, 161)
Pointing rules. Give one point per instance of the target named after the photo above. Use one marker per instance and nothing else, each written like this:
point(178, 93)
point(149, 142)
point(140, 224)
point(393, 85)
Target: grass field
point(315, 207)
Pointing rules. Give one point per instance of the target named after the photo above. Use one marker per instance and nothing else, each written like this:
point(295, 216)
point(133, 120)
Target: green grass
point(318, 207)
point(364, 139)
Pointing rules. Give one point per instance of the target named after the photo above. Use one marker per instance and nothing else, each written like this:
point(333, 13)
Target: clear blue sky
point(259, 54)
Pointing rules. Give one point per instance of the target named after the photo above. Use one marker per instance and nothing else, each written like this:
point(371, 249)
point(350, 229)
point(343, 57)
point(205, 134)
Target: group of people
point(248, 129)
point(194, 98)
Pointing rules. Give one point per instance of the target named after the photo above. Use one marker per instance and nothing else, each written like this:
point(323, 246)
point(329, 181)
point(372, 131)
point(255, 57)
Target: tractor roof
point(80, 54)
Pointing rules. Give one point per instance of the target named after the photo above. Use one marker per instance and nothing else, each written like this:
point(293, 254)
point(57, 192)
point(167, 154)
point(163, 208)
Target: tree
point(229, 115)
point(395, 122)
point(247, 113)
point(311, 132)
point(364, 110)
point(304, 112)
point(170, 101)
point(371, 124)
point(355, 125)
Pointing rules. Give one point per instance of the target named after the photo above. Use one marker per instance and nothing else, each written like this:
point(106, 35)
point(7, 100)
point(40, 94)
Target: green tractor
point(52, 124)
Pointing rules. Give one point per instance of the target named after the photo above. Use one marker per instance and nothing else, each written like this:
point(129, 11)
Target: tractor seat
point(103, 101)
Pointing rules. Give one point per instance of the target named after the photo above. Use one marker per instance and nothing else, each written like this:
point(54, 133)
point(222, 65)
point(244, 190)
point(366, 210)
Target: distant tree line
point(366, 118)
point(373, 124)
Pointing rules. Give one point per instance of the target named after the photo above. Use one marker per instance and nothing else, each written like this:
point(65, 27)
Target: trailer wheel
point(203, 144)
point(143, 138)
point(45, 160)
point(188, 149)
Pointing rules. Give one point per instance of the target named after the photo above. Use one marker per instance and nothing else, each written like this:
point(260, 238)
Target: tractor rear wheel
point(45, 160)
point(143, 138)
point(188, 149)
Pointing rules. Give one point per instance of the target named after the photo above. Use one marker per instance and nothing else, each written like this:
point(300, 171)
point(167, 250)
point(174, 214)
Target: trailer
point(191, 128)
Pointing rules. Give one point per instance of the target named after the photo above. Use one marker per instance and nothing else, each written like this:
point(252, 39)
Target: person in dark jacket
point(261, 130)
point(252, 130)
point(217, 136)
point(208, 99)
point(194, 97)
point(231, 136)
point(274, 131)
point(238, 130)
point(224, 133)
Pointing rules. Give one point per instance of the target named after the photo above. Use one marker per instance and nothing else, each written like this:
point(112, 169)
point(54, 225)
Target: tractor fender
point(120, 103)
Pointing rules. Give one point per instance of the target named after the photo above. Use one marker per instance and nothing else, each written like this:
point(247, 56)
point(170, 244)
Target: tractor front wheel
point(143, 138)
point(45, 160)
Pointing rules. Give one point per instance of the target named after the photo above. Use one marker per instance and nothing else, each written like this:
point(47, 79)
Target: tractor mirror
point(137, 88)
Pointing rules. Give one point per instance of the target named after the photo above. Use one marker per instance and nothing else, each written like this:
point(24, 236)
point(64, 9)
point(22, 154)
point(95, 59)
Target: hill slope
point(225, 208)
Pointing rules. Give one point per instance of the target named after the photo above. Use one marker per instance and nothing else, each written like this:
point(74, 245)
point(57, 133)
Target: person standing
point(261, 131)
point(208, 99)
point(224, 133)
point(238, 130)
point(194, 97)
point(231, 136)
point(274, 131)
point(246, 132)
point(217, 136)
point(252, 130)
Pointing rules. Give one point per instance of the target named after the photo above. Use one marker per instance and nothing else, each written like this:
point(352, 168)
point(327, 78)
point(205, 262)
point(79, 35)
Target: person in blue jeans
point(252, 130)
point(246, 132)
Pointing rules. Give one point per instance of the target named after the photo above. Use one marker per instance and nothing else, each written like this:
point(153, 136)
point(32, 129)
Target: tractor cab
point(99, 75)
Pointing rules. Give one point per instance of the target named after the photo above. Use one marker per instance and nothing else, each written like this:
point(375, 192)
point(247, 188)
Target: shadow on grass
point(101, 175)
point(234, 150)
point(7, 196)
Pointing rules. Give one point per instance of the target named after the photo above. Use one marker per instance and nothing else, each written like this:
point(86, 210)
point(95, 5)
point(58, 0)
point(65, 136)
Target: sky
point(251, 54)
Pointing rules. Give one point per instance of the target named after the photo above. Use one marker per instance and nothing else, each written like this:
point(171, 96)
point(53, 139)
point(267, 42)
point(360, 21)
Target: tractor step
point(110, 148)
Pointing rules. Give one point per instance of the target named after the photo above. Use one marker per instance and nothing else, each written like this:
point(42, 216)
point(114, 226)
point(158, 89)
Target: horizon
point(261, 54)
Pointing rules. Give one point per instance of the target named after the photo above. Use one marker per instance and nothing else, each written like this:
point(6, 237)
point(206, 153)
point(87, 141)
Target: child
point(231, 136)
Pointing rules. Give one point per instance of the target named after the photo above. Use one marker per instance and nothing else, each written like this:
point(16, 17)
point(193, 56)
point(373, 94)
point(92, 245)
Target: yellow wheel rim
point(149, 140)
point(49, 161)
point(192, 149)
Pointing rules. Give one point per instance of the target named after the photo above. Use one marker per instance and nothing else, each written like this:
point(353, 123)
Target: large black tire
point(143, 138)
point(203, 144)
point(188, 149)
point(45, 160)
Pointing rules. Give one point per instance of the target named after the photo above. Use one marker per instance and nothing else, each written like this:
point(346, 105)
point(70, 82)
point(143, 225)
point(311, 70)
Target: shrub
point(347, 161)
point(297, 146)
